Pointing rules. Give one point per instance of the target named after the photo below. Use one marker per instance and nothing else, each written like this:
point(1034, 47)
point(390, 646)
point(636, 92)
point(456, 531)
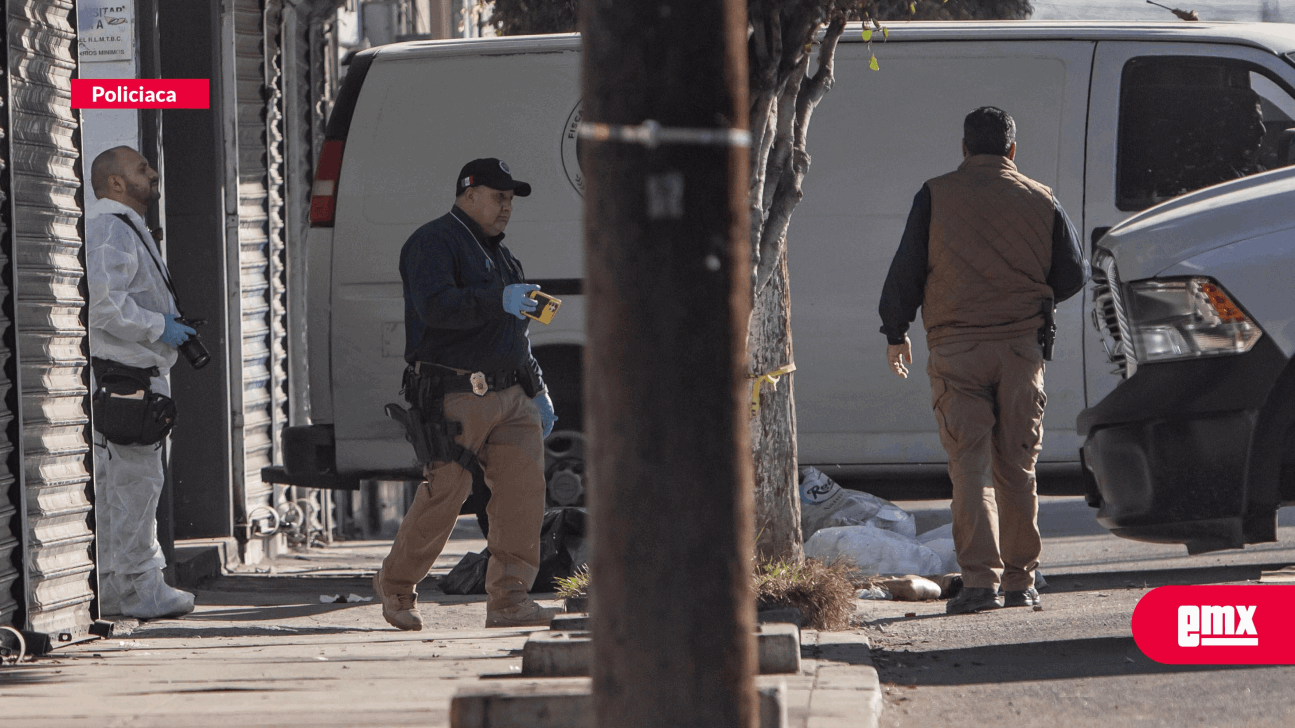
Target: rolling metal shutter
point(11, 500)
point(49, 305)
point(302, 127)
point(262, 297)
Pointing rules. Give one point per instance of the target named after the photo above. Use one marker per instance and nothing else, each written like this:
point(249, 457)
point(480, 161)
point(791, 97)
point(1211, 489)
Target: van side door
point(1170, 118)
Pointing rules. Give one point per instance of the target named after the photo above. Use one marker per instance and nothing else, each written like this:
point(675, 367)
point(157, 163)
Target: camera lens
point(194, 352)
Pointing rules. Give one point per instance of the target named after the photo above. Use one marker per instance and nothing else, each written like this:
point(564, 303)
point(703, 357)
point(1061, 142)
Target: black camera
point(192, 349)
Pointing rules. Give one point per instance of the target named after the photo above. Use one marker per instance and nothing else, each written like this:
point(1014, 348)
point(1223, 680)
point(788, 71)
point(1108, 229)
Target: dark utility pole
point(668, 296)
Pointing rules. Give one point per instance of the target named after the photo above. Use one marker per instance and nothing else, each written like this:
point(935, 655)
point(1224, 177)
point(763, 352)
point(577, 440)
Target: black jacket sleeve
point(1070, 269)
point(906, 282)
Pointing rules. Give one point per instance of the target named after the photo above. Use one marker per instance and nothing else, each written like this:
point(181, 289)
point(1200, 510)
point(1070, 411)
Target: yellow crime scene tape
point(772, 378)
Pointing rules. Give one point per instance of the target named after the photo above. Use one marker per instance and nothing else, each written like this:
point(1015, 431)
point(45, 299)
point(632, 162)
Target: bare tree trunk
point(780, 112)
point(773, 429)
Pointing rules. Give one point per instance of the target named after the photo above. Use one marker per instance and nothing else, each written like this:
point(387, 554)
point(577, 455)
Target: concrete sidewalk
point(262, 650)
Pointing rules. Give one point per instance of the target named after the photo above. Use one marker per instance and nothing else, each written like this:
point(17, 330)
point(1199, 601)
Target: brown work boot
point(974, 599)
point(525, 614)
point(400, 610)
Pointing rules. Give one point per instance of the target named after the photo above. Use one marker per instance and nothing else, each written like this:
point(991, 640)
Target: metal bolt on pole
point(668, 296)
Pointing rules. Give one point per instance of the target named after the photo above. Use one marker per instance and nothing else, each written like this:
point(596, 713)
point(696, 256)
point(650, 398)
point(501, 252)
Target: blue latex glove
point(515, 300)
point(175, 332)
point(547, 418)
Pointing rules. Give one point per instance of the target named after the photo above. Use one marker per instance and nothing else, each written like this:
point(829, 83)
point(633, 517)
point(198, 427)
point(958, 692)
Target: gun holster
point(426, 427)
point(1048, 331)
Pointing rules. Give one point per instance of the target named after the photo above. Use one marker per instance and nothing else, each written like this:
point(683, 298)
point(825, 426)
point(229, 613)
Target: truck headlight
point(1183, 318)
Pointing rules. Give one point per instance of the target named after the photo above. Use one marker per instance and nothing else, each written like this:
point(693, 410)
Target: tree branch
point(784, 138)
point(784, 162)
point(755, 194)
point(764, 52)
point(789, 161)
point(813, 90)
point(766, 249)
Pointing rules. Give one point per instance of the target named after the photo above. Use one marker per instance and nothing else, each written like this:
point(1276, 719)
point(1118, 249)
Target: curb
point(558, 653)
point(567, 703)
point(846, 690)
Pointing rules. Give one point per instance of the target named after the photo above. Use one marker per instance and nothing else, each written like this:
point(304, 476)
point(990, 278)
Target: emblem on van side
point(571, 147)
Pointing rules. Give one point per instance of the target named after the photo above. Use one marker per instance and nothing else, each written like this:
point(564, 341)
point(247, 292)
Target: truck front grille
point(1109, 317)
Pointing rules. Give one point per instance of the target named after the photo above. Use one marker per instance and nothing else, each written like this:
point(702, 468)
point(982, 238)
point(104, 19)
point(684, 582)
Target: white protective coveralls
point(128, 297)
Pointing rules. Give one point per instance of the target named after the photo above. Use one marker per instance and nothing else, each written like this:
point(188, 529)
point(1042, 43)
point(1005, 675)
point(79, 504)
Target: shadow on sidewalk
point(303, 592)
point(262, 613)
point(848, 653)
point(1027, 662)
point(15, 675)
point(172, 632)
point(1150, 578)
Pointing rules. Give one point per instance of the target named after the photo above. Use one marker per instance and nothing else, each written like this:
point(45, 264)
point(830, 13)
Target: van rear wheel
point(564, 468)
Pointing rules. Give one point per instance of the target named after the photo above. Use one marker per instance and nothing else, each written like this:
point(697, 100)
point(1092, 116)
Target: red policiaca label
point(141, 93)
point(1217, 625)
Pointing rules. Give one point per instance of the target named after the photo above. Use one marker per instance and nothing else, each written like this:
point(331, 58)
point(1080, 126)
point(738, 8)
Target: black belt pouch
point(126, 409)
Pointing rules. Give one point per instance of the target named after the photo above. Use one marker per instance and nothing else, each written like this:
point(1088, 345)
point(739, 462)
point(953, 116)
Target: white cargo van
point(1196, 300)
point(1114, 117)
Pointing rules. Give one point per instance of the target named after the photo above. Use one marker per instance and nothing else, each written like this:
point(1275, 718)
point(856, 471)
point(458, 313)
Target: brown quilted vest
point(989, 252)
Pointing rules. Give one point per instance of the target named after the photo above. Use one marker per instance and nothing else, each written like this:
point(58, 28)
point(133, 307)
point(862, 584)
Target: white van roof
point(1278, 38)
point(1199, 221)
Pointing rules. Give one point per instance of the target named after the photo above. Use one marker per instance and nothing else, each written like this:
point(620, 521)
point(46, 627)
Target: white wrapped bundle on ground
point(824, 504)
point(940, 540)
point(873, 550)
point(939, 532)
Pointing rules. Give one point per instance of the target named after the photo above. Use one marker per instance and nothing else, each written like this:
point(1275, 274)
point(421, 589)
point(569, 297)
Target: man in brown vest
point(986, 253)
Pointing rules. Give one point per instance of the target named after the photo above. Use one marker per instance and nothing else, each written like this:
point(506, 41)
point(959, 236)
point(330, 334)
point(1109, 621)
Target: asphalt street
point(1075, 662)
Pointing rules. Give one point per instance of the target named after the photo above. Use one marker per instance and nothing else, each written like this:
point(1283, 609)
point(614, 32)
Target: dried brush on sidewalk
point(823, 593)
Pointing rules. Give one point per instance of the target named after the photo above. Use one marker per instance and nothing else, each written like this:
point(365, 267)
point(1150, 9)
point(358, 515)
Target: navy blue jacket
point(905, 284)
point(454, 278)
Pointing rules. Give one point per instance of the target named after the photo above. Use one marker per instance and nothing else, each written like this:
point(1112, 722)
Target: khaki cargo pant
point(988, 400)
point(503, 428)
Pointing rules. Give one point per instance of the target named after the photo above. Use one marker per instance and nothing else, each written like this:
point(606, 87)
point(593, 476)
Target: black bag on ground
point(562, 551)
point(562, 546)
point(126, 409)
point(468, 576)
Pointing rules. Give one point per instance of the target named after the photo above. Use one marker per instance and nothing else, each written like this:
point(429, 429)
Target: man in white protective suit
point(133, 323)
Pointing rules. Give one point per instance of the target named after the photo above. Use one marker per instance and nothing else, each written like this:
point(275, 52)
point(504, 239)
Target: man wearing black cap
point(472, 373)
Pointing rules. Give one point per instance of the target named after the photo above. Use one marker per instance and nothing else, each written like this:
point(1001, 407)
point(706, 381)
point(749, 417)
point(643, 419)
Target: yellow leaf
point(885, 33)
point(867, 34)
point(912, 8)
point(873, 64)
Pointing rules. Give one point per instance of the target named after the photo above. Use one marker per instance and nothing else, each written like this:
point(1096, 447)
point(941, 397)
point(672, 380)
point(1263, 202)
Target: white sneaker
point(153, 598)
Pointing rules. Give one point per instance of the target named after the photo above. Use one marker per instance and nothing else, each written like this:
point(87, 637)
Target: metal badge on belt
point(479, 386)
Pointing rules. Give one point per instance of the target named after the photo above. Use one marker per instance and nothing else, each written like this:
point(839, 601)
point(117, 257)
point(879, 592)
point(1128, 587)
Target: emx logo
point(1217, 625)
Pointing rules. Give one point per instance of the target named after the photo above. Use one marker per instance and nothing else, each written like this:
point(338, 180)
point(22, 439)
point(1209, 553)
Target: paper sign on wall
point(106, 30)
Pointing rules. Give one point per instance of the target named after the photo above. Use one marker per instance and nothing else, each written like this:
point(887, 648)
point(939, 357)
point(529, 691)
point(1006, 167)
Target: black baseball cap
point(492, 173)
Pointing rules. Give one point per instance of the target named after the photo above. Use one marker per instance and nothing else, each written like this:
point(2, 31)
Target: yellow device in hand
point(547, 309)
